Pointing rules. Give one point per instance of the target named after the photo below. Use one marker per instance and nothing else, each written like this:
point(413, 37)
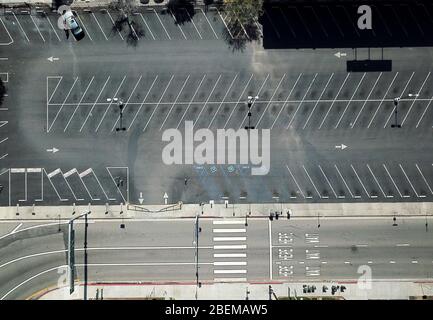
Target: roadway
point(33, 256)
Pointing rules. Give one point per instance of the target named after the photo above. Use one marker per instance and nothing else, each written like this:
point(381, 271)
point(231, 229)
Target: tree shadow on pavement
point(182, 10)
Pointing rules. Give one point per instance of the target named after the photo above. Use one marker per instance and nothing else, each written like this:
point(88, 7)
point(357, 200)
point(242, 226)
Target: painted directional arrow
point(141, 198)
point(342, 147)
point(51, 59)
point(340, 54)
point(165, 197)
point(53, 150)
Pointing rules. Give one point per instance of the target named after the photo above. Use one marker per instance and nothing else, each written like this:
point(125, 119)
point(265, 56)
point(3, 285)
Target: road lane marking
point(160, 99)
point(318, 100)
point(392, 262)
point(55, 89)
point(365, 102)
point(190, 19)
point(178, 25)
point(94, 104)
point(239, 99)
point(52, 27)
point(230, 279)
point(78, 105)
point(401, 95)
point(333, 101)
point(402, 245)
point(286, 101)
point(377, 182)
point(63, 104)
point(350, 101)
point(7, 31)
point(411, 185)
point(225, 24)
point(228, 222)
point(114, 25)
point(207, 100)
point(84, 27)
point(416, 98)
point(425, 110)
point(302, 101)
point(222, 101)
point(216, 36)
point(175, 101)
point(191, 101)
point(111, 102)
point(311, 180)
point(344, 181)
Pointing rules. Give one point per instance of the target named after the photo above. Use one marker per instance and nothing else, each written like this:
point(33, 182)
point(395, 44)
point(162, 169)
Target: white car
point(70, 23)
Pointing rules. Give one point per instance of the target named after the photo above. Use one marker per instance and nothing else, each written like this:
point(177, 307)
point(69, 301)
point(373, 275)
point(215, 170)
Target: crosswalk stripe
point(230, 271)
point(216, 239)
point(230, 263)
point(230, 279)
point(230, 230)
point(229, 255)
point(228, 222)
point(228, 247)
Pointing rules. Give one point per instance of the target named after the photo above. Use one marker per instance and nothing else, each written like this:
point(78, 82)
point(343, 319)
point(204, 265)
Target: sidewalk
point(238, 291)
point(221, 210)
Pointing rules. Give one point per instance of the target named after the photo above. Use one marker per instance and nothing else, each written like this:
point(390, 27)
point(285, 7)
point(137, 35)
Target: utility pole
point(71, 253)
point(250, 103)
point(396, 125)
point(197, 230)
point(121, 105)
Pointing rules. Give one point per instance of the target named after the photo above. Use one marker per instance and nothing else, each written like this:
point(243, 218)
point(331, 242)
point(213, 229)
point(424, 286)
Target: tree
point(182, 10)
point(2, 91)
point(125, 10)
point(242, 21)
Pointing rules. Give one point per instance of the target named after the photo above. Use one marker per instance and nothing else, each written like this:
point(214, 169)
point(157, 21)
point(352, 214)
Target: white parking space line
point(55, 89)
point(411, 185)
point(350, 101)
point(166, 32)
point(52, 27)
point(383, 99)
point(344, 181)
point(94, 104)
point(327, 180)
point(61, 107)
point(311, 180)
point(401, 95)
point(333, 101)
point(142, 103)
point(175, 101)
point(425, 180)
point(39, 31)
point(100, 28)
point(377, 182)
point(302, 101)
point(293, 177)
point(393, 182)
point(69, 186)
point(159, 102)
point(402, 245)
point(79, 103)
point(359, 179)
point(7, 31)
point(241, 96)
point(366, 100)
point(318, 100)
point(111, 102)
point(416, 98)
point(114, 24)
point(147, 26)
point(178, 25)
point(84, 27)
point(190, 18)
point(254, 101)
point(49, 176)
point(127, 102)
point(286, 101)
point(21, 27)
point(272, 97)
point(190, 102)
point(5, 139)
point(425, 110)
point(213, 30)
point(207, 100)
point(222, 101)
point(225, 24)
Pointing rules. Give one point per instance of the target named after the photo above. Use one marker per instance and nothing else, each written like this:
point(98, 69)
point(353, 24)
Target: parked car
point(70, 22)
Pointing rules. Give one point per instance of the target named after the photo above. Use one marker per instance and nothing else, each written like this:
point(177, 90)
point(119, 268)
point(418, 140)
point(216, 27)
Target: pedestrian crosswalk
point(229, 245)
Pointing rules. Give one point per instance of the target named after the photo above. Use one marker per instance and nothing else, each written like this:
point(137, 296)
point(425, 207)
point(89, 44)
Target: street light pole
point(196, 234)
point(396, 125)
point(250, 103)
point(121, 105)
